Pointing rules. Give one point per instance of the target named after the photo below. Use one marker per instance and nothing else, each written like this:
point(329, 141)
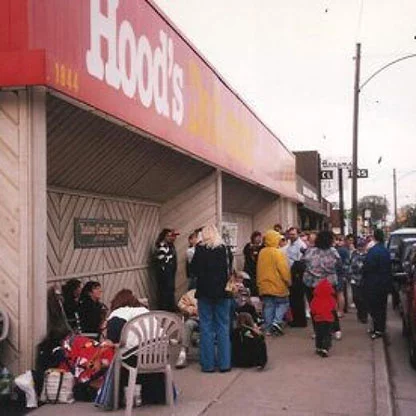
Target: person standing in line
point(357, 263)
point(344, 253)
point(214, 305)
point(193, 240)
point(166, 265)
point(278, 228)
point(251, 252)
point(322, 261)
point(312, 239)
point(377, 282)
point(273, 281)
point(296, 247)
point(323, 311)
point(295, 251)
point(350, 245)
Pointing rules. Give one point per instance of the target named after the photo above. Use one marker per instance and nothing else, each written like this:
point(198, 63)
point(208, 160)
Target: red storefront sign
point(125, 59)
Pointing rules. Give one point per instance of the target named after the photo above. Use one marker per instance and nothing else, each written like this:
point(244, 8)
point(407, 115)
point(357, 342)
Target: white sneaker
point(181, 362)
point(338, 335)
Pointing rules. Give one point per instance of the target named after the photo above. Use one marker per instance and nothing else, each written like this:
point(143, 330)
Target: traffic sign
point(361, 173)
point(327, 174)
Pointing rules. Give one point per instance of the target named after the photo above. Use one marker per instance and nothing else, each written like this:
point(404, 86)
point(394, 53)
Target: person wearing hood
point(323, 311)
point(273, 281)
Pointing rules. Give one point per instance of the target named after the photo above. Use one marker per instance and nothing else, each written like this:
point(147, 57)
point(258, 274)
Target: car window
point(407, 252)
point(395, 240)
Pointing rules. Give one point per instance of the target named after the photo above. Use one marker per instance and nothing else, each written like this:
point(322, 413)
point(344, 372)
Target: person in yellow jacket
point(273, 281)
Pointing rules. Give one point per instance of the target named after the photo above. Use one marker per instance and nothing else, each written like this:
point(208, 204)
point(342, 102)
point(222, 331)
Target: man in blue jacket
point(377, 283)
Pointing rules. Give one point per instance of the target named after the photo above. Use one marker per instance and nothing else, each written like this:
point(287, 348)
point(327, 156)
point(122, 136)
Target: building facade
point(112, 126)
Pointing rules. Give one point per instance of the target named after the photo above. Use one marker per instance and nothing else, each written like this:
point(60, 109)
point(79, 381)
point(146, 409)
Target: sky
point(292, 61)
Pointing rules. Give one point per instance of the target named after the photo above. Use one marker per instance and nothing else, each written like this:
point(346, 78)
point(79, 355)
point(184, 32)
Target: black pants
point(296, 298)
point(323, 335)
point(360, 304)
point(166, 290)
point(377, 306)
point(345, 291)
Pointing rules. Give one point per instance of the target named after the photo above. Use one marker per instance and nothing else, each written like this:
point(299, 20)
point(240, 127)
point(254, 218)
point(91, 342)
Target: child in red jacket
point(323, 309)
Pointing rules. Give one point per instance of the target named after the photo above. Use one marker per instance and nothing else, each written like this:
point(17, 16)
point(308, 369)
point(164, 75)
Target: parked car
point(401, 258)
point(408, 299)
point(395, 238)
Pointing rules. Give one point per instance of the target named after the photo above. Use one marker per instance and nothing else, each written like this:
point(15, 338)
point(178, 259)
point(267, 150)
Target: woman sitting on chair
point(92, 311)
point(125, 307)
point(71, 292)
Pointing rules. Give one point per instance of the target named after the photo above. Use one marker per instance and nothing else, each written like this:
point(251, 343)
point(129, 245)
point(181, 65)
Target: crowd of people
point(288, 277)
point(293, 275)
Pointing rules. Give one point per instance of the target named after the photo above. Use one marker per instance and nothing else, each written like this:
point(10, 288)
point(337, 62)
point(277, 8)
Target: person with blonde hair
point(210, 265)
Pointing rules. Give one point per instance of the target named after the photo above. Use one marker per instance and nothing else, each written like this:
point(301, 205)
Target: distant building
point(314, 212)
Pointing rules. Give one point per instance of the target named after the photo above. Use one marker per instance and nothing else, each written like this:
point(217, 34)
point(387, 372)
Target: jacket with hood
point(273, 273)
point(323, 303)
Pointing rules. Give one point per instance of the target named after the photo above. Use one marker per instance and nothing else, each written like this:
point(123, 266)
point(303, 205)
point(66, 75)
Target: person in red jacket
point(323, 310)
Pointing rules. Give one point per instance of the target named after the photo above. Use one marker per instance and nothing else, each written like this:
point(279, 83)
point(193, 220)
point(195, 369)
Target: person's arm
point(283, 267)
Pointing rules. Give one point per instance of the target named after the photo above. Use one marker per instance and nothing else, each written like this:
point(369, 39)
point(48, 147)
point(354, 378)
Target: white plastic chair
point(145, 342)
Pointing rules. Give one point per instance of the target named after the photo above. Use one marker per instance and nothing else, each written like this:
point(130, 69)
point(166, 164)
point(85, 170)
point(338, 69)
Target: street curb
point(382, 385)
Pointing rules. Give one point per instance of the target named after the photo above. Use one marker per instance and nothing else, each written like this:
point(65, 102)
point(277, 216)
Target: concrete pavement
point(352, 381)
point(403, 376)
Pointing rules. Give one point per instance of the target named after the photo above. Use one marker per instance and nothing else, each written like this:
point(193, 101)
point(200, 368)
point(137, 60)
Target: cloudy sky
point(293, 62)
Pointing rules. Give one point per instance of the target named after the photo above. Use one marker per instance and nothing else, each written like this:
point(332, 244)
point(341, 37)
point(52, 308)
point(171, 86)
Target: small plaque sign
point(90, 233)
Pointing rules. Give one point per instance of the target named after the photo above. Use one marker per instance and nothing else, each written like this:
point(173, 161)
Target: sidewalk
point(352, 381)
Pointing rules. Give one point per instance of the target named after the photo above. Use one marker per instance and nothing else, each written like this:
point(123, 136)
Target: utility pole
point(341, 201)
point(395, 197)
point(354, 201)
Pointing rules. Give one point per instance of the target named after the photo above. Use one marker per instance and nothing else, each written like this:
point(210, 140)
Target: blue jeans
point(274, 310)
point(214, 324)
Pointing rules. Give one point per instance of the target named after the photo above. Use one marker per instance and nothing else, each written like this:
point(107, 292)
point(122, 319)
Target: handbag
point(231, 287)
point(57, 386)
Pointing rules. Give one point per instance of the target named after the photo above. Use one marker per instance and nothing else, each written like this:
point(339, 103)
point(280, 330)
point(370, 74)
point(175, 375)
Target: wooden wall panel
point(269, 215)
point(191, 209)
point(245, 228)
point(9, 218)
point(115, 267)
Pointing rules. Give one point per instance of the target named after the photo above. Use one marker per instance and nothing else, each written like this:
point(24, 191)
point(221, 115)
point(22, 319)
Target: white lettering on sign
point(133, 65)
point(309, 193)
